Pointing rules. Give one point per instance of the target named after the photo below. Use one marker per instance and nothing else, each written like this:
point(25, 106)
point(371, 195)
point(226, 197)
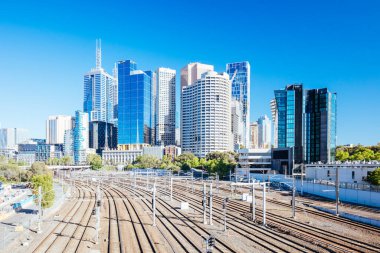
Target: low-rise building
point(254, 160)
point(156, 151)
point(116, 157)
point(172, 151)
point(349, 172)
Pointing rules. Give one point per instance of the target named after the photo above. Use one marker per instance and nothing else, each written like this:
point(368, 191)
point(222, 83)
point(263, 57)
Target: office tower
point(264, 132)
point(165, 106)
point(115, 94)
point(289, 111)
point(206, 107)
point(320, 125)
point(254, 129)
point(240, 74)
point(236, 123)
point(68, 145)
point(81, 140)
point(135, 107)
point(273, 107)
point(11, 137)
point(154, 112)
point(102, 136)
point(189, 75)
point(56, 126)
point(98, 92)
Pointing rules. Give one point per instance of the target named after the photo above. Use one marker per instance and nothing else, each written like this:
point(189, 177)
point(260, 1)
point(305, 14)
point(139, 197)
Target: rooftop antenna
point(98, 54)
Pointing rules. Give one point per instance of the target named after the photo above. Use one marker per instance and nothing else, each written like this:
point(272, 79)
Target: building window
point(353, 174)
point(328, 173)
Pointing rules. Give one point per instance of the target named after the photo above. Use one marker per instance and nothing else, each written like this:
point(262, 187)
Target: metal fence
point(345, 185)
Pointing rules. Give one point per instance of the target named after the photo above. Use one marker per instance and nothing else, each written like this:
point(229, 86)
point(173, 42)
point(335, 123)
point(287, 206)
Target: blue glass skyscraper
point(98, 99)
point(320, 125)
point(289, 111)
point(81, 132)
point(241, 86)
point(135, 104)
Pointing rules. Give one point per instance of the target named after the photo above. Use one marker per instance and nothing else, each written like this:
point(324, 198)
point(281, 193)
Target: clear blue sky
point(46, 48)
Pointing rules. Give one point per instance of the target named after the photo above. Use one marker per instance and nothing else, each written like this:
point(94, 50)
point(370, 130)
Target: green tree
point(66, 160)
point(342, 155)
point(39, 168)
point(147, 161)
point(46, 183)
point(95, 161)
point(374, 177)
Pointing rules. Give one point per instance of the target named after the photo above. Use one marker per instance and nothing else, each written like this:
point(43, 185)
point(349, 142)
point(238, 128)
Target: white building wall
point(56, 127)
point(206, 115)
point(166, 107)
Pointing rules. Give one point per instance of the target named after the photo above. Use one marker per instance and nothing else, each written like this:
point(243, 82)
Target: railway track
point(300, 230)
point(328, 216)
point(67, 235)
point(240, 228)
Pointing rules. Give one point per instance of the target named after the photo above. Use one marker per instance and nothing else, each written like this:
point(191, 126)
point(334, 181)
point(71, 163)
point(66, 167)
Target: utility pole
point(98, 204)
point(302, 179)
point(337, 192)
point(39, 230)
point(210, 205)
point(294, 198)
point(204, 204)
point(171, 189)
point(253, 203)
point(154, 204)
point(225, 213)
point(264, 206)
point(217, 183)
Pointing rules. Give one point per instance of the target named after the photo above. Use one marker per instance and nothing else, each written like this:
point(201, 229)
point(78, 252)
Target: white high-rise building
point(254, 129)
point(206, 115)
point(10, 137)
point(237, 124)
point(165, 106)
point(189, 75)
point(264, 132)
point(55, 128)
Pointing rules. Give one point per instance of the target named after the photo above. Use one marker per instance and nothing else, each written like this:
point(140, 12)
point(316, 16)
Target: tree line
point(358, 153)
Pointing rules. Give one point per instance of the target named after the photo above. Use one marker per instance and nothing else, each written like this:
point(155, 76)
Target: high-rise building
point(264, 132)
point(273, 107)
point(165, 106)
point(206, 115)
point(98, 92)
point(289, 111)
point(320, 125)
point(240, 73)
point(102, 136)
point(236, 124)
point(11, 137)
point(191, 73)
point(68, 145)
point(81, 139)
point(254, 135)
point(135, 105)
point(56, 126)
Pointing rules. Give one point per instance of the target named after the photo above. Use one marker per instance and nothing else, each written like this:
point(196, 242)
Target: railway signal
point(210, 205)
point(154, 204)
point(204, 204)
point(210, 244)
point(224, 206)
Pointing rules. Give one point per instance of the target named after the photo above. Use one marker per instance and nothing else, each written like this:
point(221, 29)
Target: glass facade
point(289, 111)
point(81, 131)
point(241, 92)
point(134, 106)
point(320, 125)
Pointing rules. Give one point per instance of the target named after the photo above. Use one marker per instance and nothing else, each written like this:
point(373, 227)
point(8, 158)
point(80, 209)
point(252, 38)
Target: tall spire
point(98, 54)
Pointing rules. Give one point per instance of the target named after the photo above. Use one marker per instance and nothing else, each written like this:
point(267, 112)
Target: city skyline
point(350, 66)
